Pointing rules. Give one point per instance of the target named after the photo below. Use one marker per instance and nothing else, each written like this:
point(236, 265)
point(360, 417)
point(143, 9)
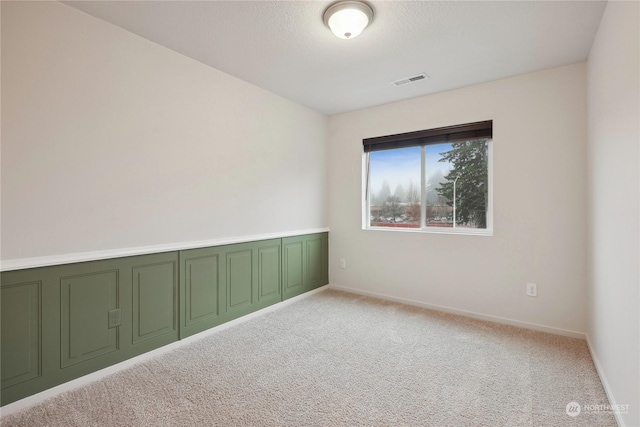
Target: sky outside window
point(402, 166)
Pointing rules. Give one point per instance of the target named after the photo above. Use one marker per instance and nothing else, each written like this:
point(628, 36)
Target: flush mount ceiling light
point(347, 19)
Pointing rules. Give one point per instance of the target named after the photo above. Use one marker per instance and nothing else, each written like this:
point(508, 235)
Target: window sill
point(434, 230)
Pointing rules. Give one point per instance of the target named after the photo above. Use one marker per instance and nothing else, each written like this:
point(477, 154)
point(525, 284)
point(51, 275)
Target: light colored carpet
point(336, 359)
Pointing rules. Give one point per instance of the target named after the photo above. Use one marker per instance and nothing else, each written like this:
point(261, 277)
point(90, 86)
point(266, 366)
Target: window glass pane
point(459, 168)
point(394, 188)
point(439, 207)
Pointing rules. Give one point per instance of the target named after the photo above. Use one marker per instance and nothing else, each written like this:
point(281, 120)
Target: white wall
point(539, 158)
point(614, 188)
point(110, 141)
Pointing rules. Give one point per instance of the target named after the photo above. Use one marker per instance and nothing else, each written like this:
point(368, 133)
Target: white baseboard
point(605, 383)
point(95, 376)
point(480, 316)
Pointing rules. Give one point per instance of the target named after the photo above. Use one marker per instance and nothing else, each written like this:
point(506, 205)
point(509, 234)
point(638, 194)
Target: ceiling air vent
point(411, 79)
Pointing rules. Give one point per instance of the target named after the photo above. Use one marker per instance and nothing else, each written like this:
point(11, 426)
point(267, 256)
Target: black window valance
point(430, 136)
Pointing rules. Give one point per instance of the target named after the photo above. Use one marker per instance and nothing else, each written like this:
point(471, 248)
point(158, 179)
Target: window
point(432, 180)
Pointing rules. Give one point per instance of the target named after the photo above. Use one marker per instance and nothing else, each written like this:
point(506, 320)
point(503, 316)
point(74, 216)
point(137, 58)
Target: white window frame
point(366, 210)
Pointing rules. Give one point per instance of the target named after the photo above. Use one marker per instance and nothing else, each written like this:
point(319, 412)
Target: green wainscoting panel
point(304, 263)
point(37, 292)
point(314, 261)
point(155, 301)
point(292, 268)
point(150, 309)
point(239, 278)
point(269, 267)
point(72, 326)
point(65, 321)
point(201, 289)
point(20, 333)
point(78, 338)
point(252, 276)
point(86, 301)
point(317, 260)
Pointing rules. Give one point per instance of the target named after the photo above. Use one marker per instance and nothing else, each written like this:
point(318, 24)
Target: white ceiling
point(284, 47)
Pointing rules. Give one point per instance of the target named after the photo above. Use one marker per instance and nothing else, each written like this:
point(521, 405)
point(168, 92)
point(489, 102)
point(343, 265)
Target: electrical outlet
point(532, 289)
point(115, 318)
point(343, 263)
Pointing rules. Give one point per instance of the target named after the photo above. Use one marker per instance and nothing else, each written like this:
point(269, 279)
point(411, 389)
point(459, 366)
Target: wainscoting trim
point(46, 261)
